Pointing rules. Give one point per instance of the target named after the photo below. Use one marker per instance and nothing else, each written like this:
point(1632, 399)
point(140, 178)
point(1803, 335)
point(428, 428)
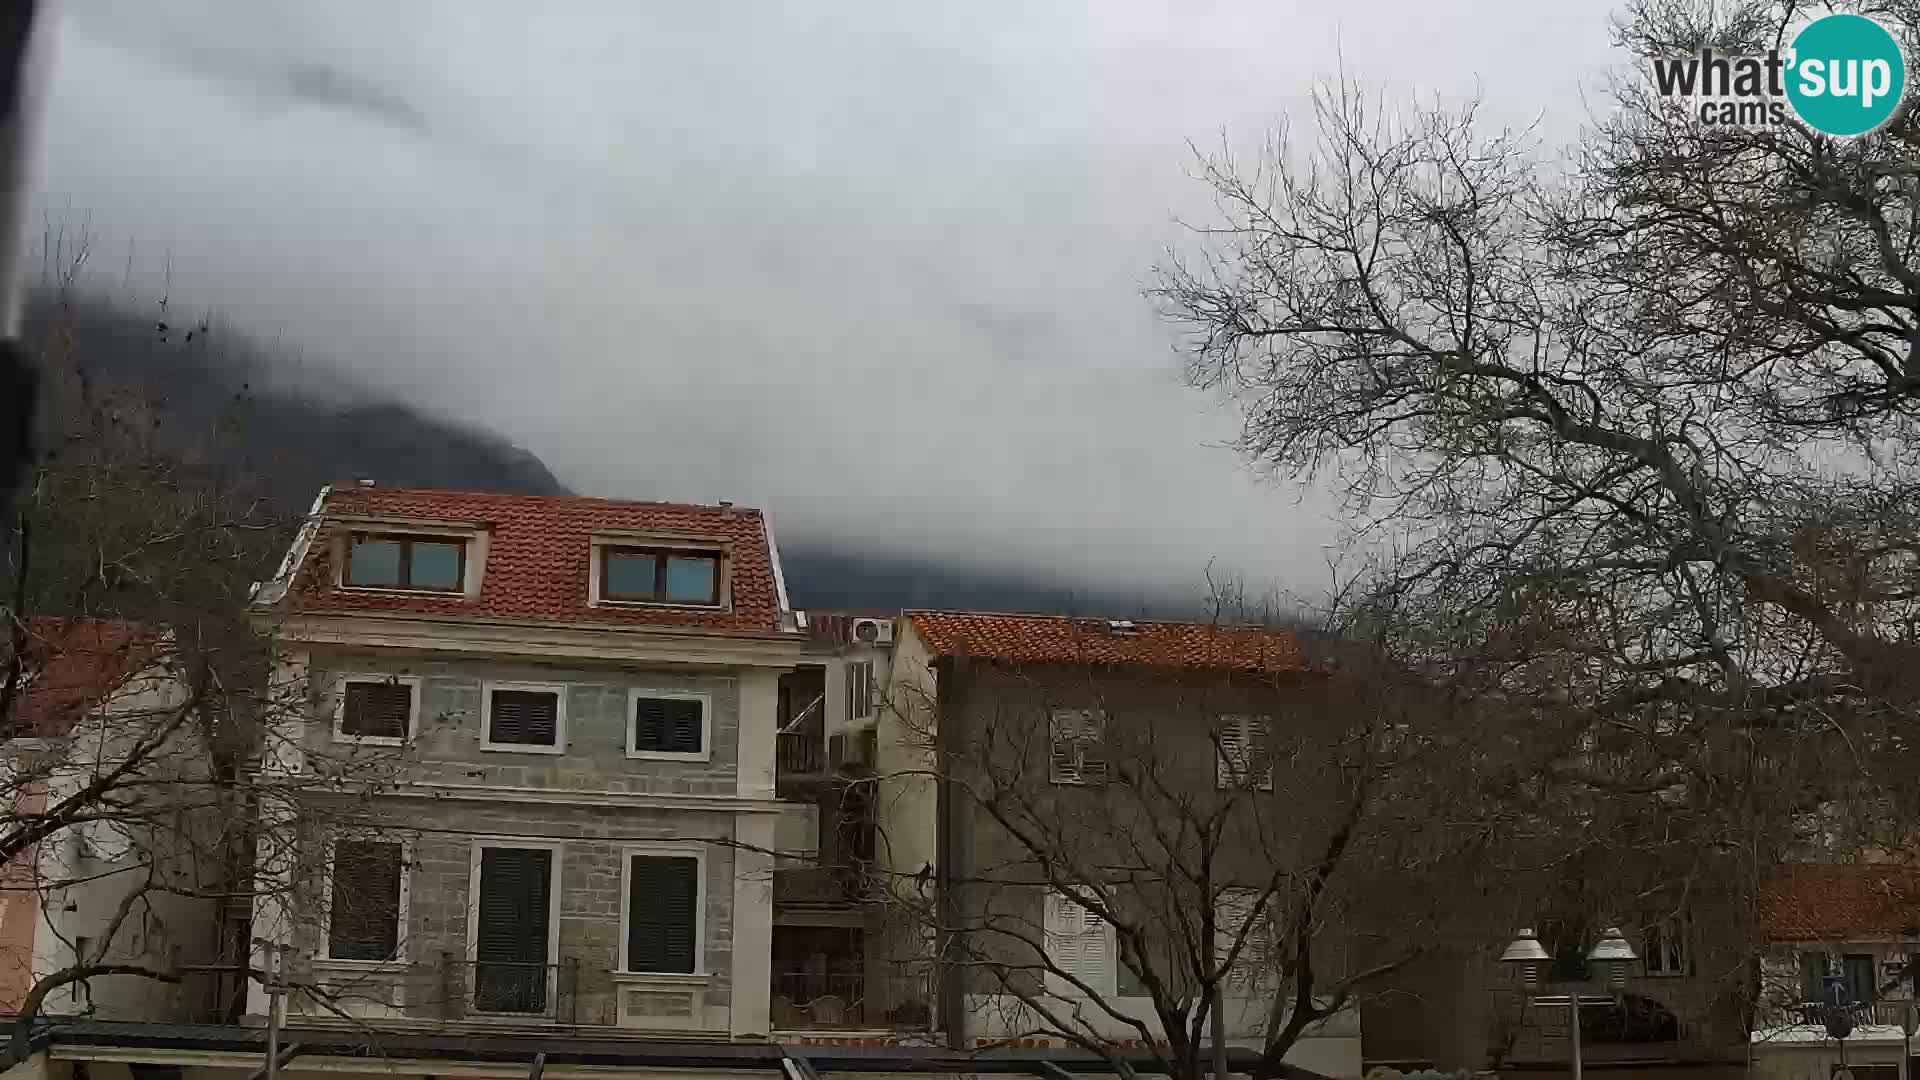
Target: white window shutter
point(1081, 945)
point(1244, 743)
point(1075, 752)
point(1255, 964)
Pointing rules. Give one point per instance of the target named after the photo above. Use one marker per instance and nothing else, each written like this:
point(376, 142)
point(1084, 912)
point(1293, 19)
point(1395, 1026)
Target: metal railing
point(1878, 1013)
point(812, 1001)
point(800, 753)
point(495, 988)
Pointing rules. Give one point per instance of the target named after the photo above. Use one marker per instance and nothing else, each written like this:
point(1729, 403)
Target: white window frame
point(1078, 777)
point(1108, 986)
point(1235, 907)
point(559, 690)
point(601, 542)
point(671, 850)
point(1225, 772)
point(634, 694)
point(326, 898)
point(416, 682)
point(480, 844)
point(1673, 929)
point(467, 538)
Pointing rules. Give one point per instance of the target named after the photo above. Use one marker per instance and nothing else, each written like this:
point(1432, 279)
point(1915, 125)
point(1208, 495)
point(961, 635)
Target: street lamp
point(1612, 953)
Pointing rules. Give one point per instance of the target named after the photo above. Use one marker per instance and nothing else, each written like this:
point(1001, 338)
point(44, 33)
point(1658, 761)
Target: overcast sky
point(876, 266)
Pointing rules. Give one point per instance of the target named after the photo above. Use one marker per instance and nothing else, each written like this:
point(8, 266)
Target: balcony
point(800, 760)
point(532, 991)
point(1864, 1013)
point(815, 1001)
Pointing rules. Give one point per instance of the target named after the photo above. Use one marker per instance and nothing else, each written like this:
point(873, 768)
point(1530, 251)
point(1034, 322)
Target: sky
point(876, 267)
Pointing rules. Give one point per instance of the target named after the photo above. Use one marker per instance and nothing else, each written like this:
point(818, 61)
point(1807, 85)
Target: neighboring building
point(1061, 719)
point(834, 980)
point(1857, 921)
point(555, 723)
point(107, 889)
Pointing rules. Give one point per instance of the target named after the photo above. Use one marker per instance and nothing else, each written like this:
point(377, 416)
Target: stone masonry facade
point(466, 796)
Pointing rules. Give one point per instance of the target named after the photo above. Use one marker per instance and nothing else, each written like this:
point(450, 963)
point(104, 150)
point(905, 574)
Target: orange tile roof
point(1057, 639)
point(74, 665)
point(1839, 901)
point(538, 557)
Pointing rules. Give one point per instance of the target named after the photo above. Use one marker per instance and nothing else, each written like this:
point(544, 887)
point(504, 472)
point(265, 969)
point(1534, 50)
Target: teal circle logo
point(1848, 75)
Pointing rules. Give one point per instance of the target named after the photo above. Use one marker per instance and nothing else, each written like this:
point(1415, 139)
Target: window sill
point(370, 740)
point(370, 966)
point(662, 978)
point(397, 590)
point(607, 602)
point(520, 748)
point(667, 755)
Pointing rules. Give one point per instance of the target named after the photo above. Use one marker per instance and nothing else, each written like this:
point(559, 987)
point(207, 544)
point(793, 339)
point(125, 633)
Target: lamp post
point(1612, 953)
point(1909, 1022)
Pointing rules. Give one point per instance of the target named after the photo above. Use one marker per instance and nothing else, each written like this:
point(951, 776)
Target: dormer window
point(685, 576)
point(400, 561)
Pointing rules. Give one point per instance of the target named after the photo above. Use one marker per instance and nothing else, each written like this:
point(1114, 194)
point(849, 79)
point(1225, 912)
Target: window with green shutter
point(668, 725)
point(376, 709)
point(523, 717)
point(363, 910)
point(663, 913)
point(511, 929)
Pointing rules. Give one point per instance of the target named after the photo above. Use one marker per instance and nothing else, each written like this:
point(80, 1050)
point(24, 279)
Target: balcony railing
point(810, 1001)
point(493, 988)
point(1877, 1013)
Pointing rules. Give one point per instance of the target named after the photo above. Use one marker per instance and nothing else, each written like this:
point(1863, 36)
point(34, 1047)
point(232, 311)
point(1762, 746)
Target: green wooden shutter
point(363, 920)
point(667, 725)
point(662, 913)
point(510, 948)
point(377, 709)
point(524, 717)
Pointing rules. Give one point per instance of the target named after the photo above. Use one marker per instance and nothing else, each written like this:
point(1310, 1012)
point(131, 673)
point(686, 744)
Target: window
point(1863, 983)
point(1257, 959)
point(390, 561)
point(859, 690)
point(1813, 974)
point(663, 920)
point(1081, 945)
point(511, 923)
point(377, 709)
point(366, 890)
point(1077, 752)
point(525, 717)
point(688, 576)
point(668, 725)
point(1241, 754)
point(1664, 946)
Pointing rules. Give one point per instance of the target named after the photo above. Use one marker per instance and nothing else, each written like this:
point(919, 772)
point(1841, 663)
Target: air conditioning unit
point(873, 631)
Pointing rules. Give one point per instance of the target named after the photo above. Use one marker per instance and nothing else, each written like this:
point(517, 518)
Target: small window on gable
point(395, 561)
point(1077, 748)
point(684, 576)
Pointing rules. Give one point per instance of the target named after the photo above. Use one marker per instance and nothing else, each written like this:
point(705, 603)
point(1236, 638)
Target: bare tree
point(1130, 849)
point(139, 697)
point(1626, 433)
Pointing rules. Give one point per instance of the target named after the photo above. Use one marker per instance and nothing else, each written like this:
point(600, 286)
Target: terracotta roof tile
point(539, 551)
point(74, 665)
point(1056, 639)
point(1839, 901)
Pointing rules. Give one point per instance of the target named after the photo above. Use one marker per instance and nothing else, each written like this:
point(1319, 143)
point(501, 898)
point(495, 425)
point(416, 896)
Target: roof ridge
point(350, 491)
